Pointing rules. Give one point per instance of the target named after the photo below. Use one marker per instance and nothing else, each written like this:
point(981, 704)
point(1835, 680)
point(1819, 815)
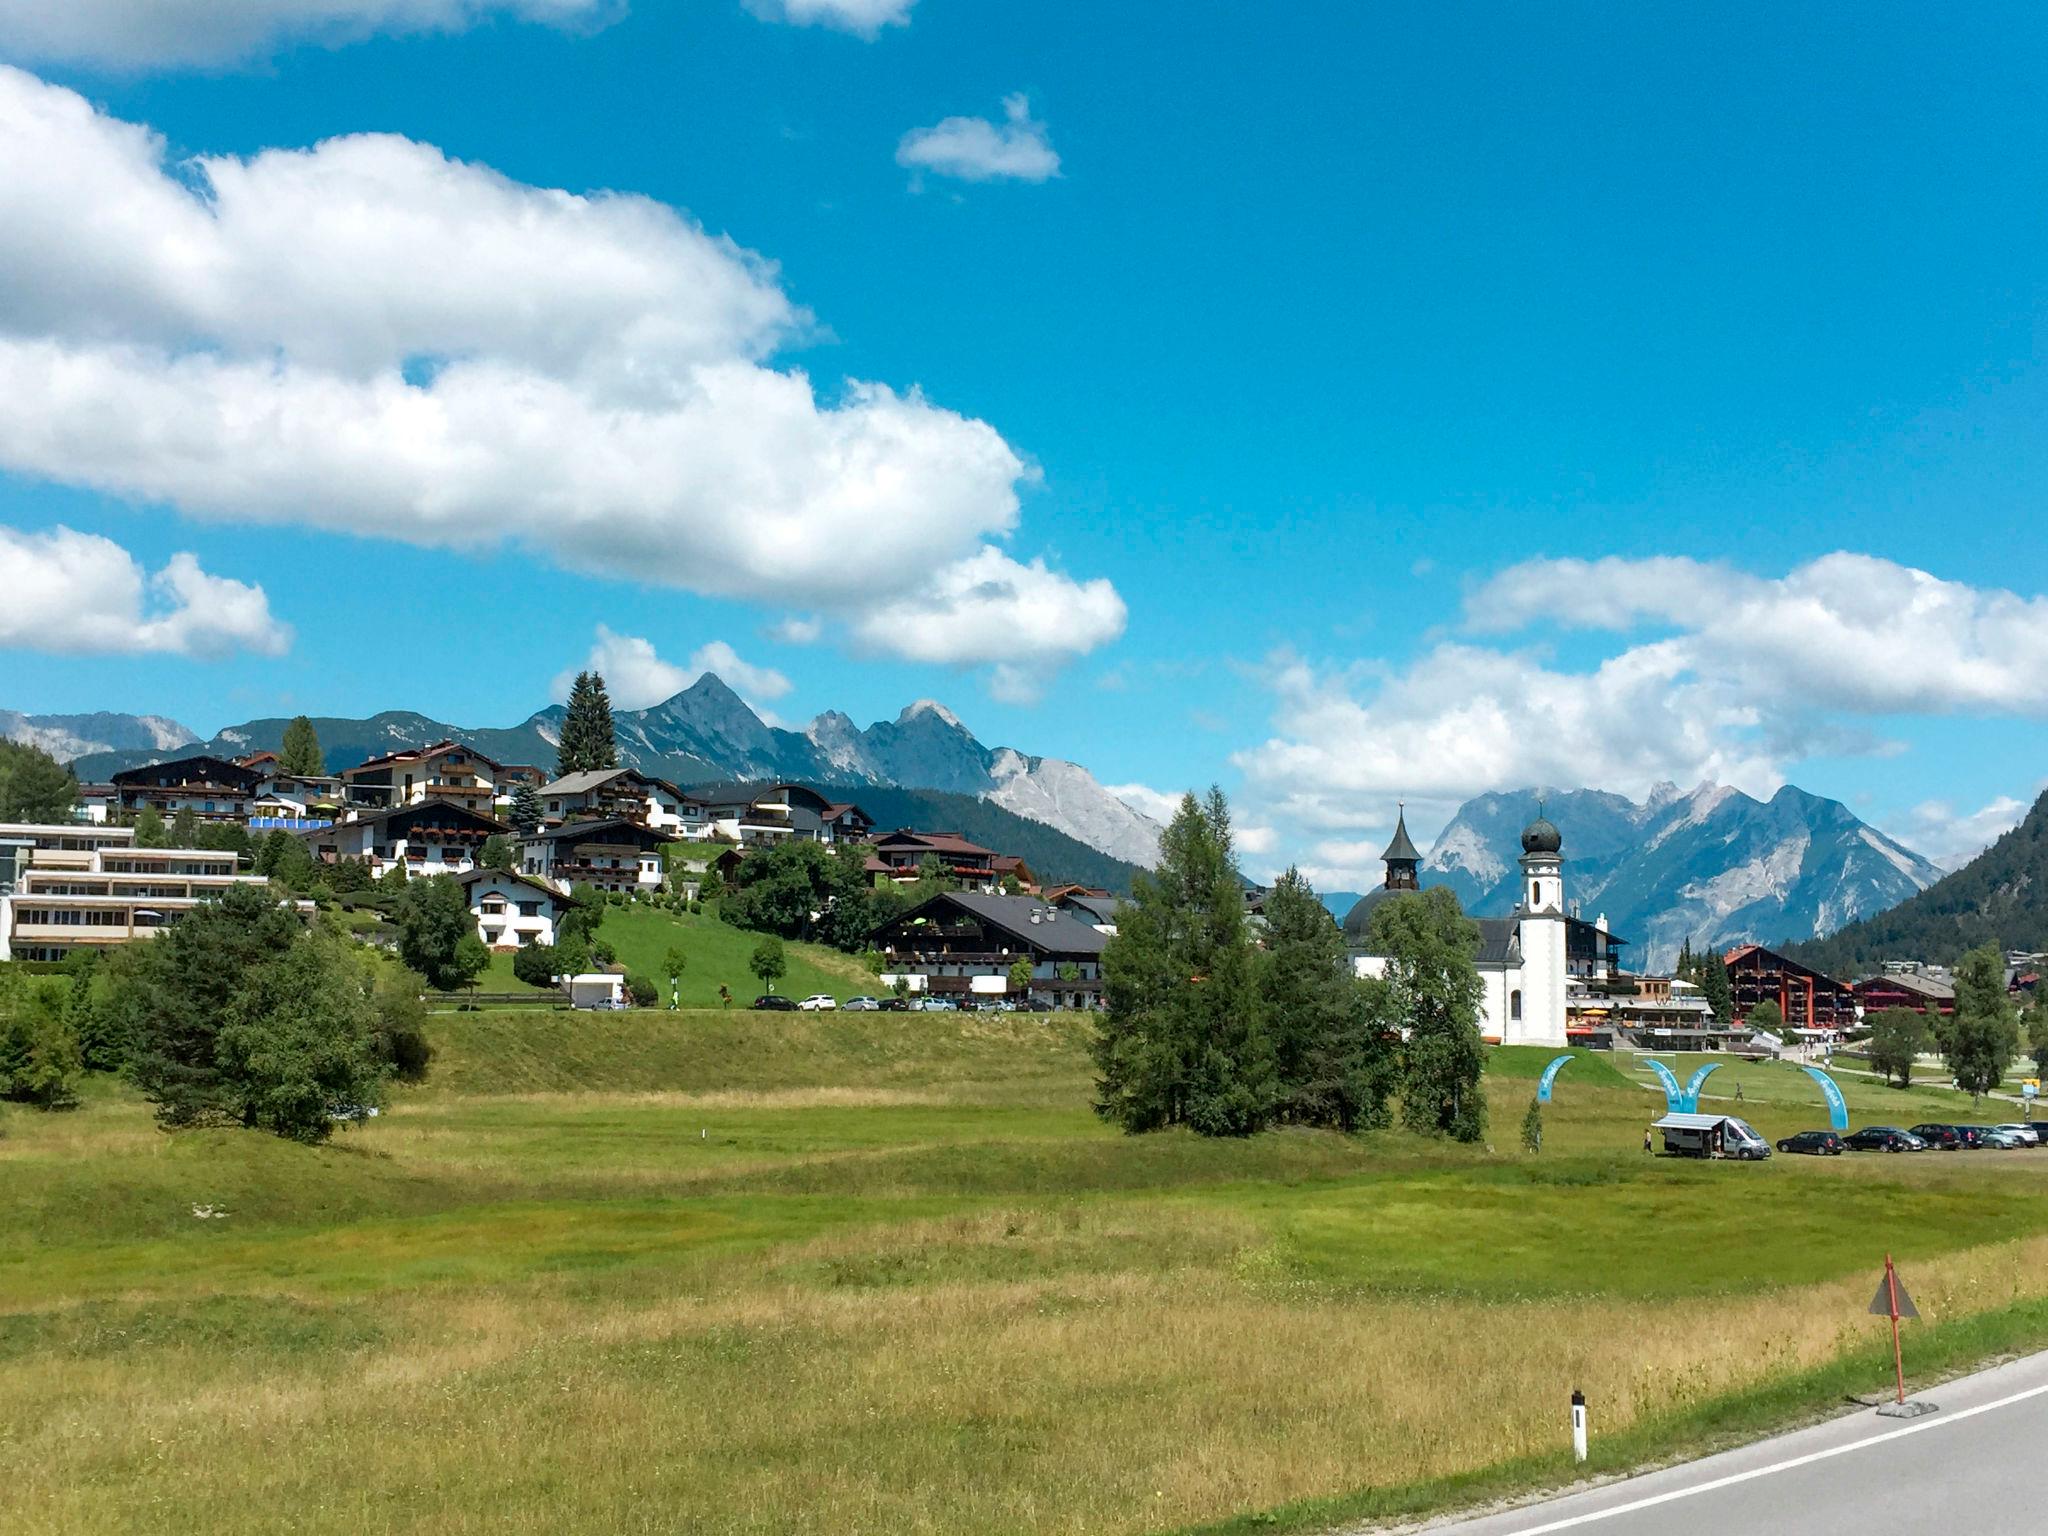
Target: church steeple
point(1404, 863)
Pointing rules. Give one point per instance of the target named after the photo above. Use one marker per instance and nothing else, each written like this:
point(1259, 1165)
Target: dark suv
point(773, 1002)
point(1948, 1138)
point(1817, 1143)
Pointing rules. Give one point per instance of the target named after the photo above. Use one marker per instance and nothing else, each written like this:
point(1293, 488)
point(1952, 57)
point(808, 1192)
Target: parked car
point(1946, 1138)
point(1999, 1137)
point(771, 1002)
point(2040, 1129)
point(1882, 1138)
point(938, 1005)
point(860, 1005)
point(1814, 1143)
point(2028, 1136)
point(819, 1002)
point(1973, 1136)
point(1038, 1005)
point(893, 1005)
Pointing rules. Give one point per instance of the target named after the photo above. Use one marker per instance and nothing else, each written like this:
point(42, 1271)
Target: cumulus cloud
point(864, 18)
point(1024, 618)
point(797, 630)
point(975, 149)
point(371, 338)
point(78, 593)
point(1951, 838)
point(636, 676)
point(140, 34)
point(1143, 798)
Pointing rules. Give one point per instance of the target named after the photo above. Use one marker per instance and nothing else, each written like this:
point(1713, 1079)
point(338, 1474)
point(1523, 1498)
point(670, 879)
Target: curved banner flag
point(1838, 1107)
point(1557, 1065)
point(1674, 1096)
point(1693, 1084)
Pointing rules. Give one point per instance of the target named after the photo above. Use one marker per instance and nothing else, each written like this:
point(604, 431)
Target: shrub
point(643, 991)
point(535, 964)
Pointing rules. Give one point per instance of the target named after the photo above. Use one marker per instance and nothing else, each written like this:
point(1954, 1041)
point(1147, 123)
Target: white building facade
point(1521, 960)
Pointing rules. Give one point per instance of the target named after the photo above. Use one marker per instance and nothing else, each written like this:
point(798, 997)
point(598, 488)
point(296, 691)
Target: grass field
point(726, 1272)
point(715, 954)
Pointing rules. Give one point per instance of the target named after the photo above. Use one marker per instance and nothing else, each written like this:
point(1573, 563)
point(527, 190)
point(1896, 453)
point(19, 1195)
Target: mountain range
point(704, 734)
point(1715, 865)
point(1998, 898)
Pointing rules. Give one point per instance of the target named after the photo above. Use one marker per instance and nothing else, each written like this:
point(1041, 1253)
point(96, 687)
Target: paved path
point(1973, 1467)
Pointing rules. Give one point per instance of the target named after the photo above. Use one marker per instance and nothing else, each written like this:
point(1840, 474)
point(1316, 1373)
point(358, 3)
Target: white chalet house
point(622, 794)
point(427, 837)
point(615, 855)
point(512, 910)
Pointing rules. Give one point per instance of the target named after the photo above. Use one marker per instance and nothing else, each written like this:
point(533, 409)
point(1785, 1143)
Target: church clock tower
point(1542, 933)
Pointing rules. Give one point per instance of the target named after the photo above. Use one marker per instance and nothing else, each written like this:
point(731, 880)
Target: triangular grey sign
point(1881, 1303)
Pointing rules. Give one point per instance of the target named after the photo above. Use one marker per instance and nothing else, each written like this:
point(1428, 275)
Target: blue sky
point(1254, 444)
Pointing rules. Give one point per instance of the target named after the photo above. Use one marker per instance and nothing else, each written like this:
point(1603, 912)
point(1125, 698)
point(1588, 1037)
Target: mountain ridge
point(1711, 865)
point(707, 733)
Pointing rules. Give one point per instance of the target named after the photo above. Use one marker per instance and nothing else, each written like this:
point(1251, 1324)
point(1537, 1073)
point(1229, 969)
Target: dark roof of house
point(1055, 933)
point(477, 819)
point(471, 876)
point(1101, 909)
point(153, 775)
point(1497, 941)
point(1906, 981)
point(421, 754)
point(935, 842)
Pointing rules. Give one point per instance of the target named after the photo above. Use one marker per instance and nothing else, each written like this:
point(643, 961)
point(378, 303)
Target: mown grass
point(716, 955)
point(887, 1273)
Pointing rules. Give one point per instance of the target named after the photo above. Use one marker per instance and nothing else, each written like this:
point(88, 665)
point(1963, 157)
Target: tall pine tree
point(1182, 1040)
point(587, 739)
point(300, 752)
point(1333, 1048)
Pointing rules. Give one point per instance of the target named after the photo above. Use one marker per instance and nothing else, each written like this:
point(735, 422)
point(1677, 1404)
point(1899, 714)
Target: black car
point(2039, 1128)
point(893, 1005)
point(1817, 1143)
point(1949, 1138)
point(1973, 1136)
point(774, 1003)
point(1879, 1138)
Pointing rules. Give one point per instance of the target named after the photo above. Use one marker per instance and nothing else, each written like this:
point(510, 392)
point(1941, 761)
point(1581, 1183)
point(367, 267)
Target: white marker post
point(1578, 1425)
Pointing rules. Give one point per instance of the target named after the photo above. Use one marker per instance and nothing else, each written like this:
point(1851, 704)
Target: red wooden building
point(1809, 1000)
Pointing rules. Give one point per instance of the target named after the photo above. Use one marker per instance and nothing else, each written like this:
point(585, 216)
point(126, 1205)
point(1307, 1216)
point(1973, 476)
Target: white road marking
point(1783, 1466)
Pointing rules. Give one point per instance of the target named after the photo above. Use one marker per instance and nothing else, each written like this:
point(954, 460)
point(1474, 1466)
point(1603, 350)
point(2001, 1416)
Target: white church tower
point(1541, 925)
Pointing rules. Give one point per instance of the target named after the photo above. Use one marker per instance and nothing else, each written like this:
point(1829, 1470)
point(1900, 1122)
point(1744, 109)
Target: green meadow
point(722, 1271)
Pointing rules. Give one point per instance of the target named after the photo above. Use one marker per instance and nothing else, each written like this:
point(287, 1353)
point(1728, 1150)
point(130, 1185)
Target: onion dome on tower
point(1540, 836)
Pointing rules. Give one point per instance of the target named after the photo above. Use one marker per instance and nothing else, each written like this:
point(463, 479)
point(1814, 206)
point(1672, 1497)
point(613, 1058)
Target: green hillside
point(1998, 898)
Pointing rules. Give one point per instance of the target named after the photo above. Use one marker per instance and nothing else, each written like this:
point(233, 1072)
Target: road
point(1974, 1467)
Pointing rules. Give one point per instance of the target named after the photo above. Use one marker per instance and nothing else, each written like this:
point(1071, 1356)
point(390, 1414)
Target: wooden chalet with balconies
point(901, 856)
point(211, 788)
point(1809, 1000)
point(613, 855)
point(427, 837)
point(964, 944)
point(446, 771)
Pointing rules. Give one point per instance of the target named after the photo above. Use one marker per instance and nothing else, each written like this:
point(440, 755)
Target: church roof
point(1540, 836)
point(1401, 850)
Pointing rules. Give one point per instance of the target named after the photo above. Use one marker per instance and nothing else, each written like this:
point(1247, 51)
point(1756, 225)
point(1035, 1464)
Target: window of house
point(529, 909)
point(1514, 1005)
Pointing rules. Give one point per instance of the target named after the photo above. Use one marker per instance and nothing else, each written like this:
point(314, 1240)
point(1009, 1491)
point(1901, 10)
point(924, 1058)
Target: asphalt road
point(1973, 1467)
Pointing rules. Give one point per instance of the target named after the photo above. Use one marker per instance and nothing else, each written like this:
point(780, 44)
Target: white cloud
point(636, 677)
point(370, 338)
point(975, 149)
point(1846, 631)
point(989, 608)
point(865, 18)
point(1935, 829)
point(1143, 798)
point(797, 630)
point(136, 34)
point(743, 677)
point(78, 593)
point(1255, 840)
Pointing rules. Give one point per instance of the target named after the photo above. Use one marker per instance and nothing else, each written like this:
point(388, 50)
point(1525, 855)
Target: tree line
point(1204, 1027)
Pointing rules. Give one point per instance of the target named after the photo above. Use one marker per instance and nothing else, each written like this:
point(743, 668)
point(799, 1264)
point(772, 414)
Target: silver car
point(2026, 1135)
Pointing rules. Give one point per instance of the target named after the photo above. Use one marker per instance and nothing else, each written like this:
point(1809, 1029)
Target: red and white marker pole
point(1891, 1288)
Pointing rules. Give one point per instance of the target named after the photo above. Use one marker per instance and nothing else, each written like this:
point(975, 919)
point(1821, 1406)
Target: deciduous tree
point(433, 919)
point(34, 786)
point(1983, 1037)
point(1897, 1037)
point(1429, 944)
point(768, 962)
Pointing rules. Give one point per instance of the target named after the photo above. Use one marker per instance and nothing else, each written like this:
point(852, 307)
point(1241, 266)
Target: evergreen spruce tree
point(1532, 1128)
point(34, 786)
point(1183, 1040)
point(587, 738)
point(1717, 989)
point(526, 812)
point(1333, 1054)
point(300, 752)
point(1429, 944)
